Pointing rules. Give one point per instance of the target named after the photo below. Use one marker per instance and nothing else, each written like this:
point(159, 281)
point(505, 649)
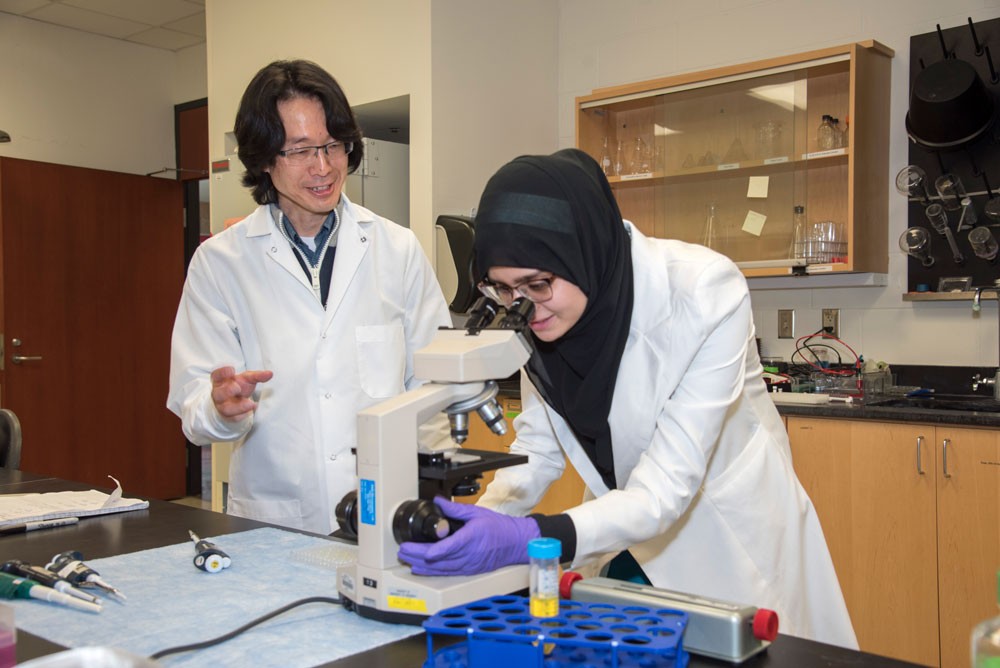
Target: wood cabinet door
point(968, 535)
point(876, 502)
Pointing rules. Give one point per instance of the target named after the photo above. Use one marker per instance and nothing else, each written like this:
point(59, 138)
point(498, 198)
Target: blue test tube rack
point(500, 632)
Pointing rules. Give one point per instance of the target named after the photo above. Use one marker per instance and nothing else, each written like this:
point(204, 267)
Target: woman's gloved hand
point(487, 541)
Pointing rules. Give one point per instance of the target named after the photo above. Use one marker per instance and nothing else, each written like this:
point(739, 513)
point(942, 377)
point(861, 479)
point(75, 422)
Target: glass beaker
point(911, 181)
point(968, 218)
point(951, 190)
point(916, 241)
point(983, 243)
point(768, 139)
point(992, 209)
point(937, 217)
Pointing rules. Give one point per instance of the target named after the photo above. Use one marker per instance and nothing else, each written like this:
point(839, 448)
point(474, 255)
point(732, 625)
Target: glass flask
point(605, 158)
point(911, 181)
point(986, 640)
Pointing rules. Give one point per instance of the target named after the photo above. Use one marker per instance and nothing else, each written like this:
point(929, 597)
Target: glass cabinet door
point(755, 165)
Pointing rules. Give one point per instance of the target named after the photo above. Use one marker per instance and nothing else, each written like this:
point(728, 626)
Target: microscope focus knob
point(421, 521)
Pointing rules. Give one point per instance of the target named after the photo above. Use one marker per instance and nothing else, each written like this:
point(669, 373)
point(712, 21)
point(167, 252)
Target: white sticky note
point(754, 223)
point(758, 187)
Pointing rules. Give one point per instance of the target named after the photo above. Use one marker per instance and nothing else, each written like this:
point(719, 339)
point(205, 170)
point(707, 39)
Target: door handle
point(944, 457)
point(17, 359)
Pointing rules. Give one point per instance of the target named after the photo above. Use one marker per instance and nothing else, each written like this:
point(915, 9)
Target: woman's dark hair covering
point(557, 213)
point(260, 134)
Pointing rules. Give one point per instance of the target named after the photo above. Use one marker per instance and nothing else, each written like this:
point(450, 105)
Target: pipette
point(69, 565)
point(207, 556)
point(12, 586)
point(44, 576)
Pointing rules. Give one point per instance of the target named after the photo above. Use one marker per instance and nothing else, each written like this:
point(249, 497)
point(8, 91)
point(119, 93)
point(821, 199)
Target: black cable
point(249, 625)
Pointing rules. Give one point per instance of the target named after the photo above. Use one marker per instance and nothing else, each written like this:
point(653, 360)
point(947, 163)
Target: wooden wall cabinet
point(742, 141)
point(911, 514)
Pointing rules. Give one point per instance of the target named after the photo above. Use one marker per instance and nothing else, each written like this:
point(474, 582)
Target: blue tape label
point(366, 496)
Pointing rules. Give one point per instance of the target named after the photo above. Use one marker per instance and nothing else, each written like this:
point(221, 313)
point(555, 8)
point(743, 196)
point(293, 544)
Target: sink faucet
point(978, 380)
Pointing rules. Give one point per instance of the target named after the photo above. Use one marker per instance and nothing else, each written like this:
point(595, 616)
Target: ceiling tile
point(81, 19)
point(165, 39)
point(151, 13)
point(20, 6)
point(192, 25)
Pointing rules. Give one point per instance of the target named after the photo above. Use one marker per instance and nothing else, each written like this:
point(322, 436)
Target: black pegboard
point(977, 165)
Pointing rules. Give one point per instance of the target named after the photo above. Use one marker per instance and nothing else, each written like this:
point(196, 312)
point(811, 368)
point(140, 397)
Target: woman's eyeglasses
point(536, 290)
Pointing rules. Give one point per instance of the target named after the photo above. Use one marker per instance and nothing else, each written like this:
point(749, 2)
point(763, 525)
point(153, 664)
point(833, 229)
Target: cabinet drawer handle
point(920, 444)
point(944, 457)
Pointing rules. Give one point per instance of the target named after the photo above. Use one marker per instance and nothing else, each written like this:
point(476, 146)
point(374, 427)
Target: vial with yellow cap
point(543, 557)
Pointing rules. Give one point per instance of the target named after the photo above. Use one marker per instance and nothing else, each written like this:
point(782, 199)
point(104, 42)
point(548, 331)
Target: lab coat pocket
point(286, 512)
point(381, 359)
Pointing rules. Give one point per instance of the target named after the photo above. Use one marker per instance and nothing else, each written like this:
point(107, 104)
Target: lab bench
point(162, 523)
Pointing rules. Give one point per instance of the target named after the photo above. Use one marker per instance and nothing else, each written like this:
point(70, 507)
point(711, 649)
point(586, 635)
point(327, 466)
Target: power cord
point(232, 634)
point(803, 344)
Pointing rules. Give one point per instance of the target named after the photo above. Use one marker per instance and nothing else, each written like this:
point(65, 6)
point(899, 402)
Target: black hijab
point(557, 213)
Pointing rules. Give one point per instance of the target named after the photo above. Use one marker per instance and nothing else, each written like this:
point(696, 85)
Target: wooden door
point(968, 536)
point(93, 266)
point(878, 515)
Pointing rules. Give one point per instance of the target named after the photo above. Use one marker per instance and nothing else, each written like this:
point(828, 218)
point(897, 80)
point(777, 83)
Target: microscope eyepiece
point(518, 314)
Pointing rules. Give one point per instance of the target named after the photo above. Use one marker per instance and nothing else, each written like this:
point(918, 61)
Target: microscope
point(397, 482)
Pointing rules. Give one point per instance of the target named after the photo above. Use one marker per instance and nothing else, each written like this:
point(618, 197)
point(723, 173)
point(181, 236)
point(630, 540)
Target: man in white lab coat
point(303, 313)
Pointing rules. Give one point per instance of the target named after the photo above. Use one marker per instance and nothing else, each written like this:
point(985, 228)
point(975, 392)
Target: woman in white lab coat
point(647, 378)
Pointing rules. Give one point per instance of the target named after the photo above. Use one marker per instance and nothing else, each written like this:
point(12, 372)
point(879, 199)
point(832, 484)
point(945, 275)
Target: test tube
point(543, 558)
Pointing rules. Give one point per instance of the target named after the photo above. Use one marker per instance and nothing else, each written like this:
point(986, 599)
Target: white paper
point(20, 508)
point(758, 187)
point(754, 223)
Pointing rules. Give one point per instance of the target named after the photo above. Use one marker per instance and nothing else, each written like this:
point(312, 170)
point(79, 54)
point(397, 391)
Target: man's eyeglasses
point(536, 290)
point(303, 154)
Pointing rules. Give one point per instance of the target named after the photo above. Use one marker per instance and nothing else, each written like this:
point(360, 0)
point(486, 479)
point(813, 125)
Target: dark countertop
point(860, 411)
point(162, 522)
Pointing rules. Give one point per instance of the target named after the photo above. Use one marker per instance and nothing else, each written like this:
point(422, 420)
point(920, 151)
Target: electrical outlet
point(831, 321)
point(786, 324)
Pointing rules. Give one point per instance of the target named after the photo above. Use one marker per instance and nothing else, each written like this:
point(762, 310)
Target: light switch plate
point(786, 324)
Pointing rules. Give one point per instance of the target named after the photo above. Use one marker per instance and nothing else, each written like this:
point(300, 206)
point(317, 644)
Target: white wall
point(495, 78)
point(376, 49)
point(481, 76)
point(74, 98)
point(602, 44)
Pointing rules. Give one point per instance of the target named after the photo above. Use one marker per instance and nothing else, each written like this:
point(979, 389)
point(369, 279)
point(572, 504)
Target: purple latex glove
point(487, 541)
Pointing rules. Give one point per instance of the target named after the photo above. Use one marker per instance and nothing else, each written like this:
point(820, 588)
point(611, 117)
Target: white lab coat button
point(328, 395)
point(274, 249)
point(333, 458)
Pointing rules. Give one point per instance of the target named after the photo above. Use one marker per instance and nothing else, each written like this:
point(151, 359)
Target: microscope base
point(398, 596)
